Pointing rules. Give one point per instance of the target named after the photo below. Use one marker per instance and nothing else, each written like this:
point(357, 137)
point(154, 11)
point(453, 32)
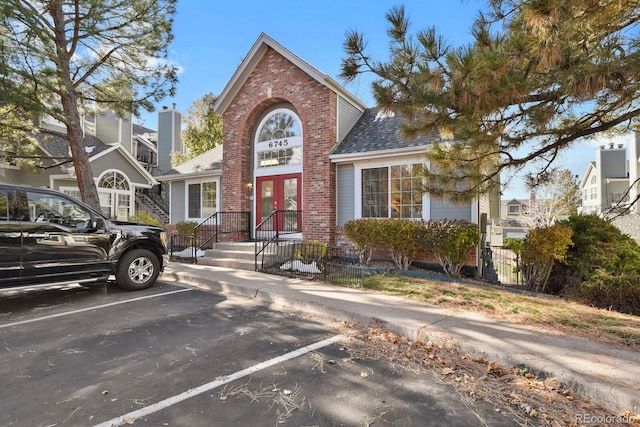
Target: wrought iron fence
point(507, 266)
point(312, 260)
point(189, 247)
point(182, 247)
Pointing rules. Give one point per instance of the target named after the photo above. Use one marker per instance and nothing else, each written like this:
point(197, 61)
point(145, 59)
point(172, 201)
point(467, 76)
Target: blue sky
point(211, 38)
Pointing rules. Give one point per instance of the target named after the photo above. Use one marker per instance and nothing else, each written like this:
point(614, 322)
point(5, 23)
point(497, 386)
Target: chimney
point(169, 128)
point(610, 145)
point(620, 145)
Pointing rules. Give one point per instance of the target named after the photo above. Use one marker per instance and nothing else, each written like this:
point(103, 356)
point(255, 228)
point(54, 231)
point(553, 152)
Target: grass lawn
point(552, 313)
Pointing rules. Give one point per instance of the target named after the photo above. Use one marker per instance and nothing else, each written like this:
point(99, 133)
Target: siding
point(177, 200)
point(441, 209)
point(111, 129)
point(24, 176)
point(345, 194)
point(117, 161)
point(484, 207)
point(168, 137)
point(348, 115)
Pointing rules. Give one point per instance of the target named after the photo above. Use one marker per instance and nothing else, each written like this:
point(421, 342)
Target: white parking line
point(132, 416)
point(96, 307)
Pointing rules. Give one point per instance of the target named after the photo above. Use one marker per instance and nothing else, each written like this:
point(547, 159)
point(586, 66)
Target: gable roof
point(379, 132)
point(118, 148)
point(54, 146)
point(248, 64)
point(591, 166)
point(207, 163)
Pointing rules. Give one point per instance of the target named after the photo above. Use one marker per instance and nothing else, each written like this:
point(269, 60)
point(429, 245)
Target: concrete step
point(238, 255)
point(235, 246)
point(238, 264)
point(230, 253)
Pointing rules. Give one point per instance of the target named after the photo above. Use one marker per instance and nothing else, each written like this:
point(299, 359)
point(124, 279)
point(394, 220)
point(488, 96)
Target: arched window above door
point(116, 194)
point(114, 180)
point(278, 142)
point(280, 124)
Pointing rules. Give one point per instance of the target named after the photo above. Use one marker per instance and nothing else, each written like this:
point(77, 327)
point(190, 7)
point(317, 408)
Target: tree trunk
point(71, 116)
point(84, 174)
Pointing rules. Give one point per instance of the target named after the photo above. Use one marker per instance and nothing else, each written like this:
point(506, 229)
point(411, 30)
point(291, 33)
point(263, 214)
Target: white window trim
point(131, 192)
point(359, 167)
point(511, 212)
point(189, 182)
point(294, 141)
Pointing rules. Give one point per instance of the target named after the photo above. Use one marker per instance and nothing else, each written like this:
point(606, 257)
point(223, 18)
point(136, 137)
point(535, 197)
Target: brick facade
point(273, 81)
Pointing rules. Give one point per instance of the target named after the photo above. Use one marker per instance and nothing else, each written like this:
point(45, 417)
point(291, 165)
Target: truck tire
point(137, 269)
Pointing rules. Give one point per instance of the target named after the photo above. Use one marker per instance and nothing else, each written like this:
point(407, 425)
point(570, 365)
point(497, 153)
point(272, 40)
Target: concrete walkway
point(606, 375)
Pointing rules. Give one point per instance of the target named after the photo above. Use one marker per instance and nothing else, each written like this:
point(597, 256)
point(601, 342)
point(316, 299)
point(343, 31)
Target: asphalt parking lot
point(176, 356)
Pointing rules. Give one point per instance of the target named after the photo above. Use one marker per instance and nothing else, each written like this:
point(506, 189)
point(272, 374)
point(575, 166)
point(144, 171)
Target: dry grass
point(516, 393)
point(610, 327)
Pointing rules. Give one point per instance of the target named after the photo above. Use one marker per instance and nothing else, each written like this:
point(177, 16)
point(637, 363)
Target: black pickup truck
point(48, 237)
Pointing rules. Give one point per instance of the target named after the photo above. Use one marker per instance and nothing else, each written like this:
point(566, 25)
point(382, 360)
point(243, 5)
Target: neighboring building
point(606, 181)
point(123, 158)
point(609, 186)
point(294, 139)
point(513, 223)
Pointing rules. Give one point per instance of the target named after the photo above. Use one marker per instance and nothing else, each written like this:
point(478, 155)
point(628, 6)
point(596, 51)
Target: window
point(114, 192)
point(288, 156)
point(513, 210)
point(375, 193)
point(278, 126)
point(392, 192)
point(202, 200)
point(278, 140)
point(56, 210)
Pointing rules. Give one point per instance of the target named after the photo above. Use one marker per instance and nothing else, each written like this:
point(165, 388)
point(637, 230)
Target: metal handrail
point(276, 218)
point(221, 223)
point(155, 198)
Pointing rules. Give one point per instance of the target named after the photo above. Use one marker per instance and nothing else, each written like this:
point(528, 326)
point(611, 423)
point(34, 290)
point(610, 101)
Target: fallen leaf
point(552, 383)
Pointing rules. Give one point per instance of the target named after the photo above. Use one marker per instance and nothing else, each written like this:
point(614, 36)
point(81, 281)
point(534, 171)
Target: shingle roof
point(58, 147)
point(376, 131)
point(141, 130)
point(208, 161)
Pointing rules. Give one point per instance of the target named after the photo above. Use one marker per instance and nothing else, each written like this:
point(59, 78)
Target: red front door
point(281, 193)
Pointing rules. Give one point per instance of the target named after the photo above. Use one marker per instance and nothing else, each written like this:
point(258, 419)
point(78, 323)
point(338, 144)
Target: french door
point(279, 193)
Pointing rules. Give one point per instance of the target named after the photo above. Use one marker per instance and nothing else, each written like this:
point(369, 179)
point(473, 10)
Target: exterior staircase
point(237, 255)
point(155, 204)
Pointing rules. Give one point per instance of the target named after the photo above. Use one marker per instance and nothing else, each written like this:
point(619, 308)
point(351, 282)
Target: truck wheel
point(137, 269)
